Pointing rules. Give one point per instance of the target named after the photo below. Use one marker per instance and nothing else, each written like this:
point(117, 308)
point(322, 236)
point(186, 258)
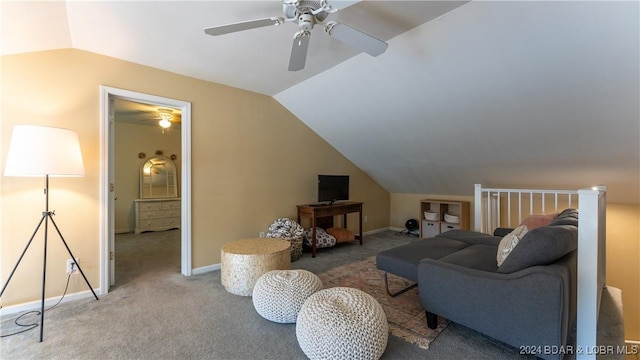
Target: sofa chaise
point(528, 302)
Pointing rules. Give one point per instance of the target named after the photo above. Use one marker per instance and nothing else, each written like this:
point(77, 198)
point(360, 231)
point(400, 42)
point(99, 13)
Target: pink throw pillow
point(538, 220)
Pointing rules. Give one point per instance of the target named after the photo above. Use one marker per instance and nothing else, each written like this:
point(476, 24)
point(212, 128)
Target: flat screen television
point(332, 188)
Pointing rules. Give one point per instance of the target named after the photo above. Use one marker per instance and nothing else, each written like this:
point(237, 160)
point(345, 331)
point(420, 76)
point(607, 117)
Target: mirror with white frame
point(158, 178)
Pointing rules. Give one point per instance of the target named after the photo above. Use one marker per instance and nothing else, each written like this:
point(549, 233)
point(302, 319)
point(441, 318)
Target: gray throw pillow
point(567, 217)
point(541, 246)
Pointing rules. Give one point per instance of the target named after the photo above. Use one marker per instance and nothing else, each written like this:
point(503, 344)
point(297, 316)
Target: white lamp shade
point(41, 150)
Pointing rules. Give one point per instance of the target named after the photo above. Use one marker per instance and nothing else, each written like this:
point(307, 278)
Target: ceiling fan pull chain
point(306, 22)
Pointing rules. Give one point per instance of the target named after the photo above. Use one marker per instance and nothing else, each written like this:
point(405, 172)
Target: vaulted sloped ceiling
point(505, 93)
point(500, 93)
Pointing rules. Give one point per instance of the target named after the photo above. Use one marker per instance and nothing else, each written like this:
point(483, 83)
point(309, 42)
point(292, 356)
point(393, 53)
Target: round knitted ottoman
point(342, 323)
point(279, 294)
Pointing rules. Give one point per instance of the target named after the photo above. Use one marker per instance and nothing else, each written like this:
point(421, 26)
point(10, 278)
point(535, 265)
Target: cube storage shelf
point(430, 228)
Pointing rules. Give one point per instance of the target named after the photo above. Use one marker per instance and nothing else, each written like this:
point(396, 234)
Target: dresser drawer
point(158, 214)
point(146, 206)
point(175, 205)
point(164, 223)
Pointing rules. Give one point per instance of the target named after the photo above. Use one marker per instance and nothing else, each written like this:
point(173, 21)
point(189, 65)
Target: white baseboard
point(397, 229)
point(36, 305)
point(216, 267)
point(375, 231)
point(206, 269)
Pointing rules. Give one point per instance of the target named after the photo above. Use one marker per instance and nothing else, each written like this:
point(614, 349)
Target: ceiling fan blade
point(245, 25)
point(356, 38)
point(299, 51)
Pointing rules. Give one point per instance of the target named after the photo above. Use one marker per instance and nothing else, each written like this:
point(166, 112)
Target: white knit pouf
point(279, 294)
point(342, 323)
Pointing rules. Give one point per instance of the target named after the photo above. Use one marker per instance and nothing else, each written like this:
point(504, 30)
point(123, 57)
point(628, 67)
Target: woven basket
point(296, 247)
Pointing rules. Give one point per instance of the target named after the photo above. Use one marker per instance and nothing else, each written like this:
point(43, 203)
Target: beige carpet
point(404, 313)
point(156, 313)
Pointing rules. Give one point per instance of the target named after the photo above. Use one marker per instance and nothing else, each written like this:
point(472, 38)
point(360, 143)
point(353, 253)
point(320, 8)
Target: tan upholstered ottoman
point(244, 261)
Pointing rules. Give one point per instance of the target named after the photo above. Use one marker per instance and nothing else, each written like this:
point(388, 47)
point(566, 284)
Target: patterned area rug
point(404, 313)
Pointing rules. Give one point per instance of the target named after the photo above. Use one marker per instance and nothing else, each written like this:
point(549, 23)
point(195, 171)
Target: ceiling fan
point(307, 14)
point(165, 117)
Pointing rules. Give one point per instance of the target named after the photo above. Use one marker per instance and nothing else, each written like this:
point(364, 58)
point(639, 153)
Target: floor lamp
point(44, 151)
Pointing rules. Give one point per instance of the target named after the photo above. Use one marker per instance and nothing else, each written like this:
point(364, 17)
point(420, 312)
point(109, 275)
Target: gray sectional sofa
point(528, 302)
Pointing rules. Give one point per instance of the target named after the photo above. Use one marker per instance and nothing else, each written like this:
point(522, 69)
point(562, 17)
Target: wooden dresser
point(157, 214)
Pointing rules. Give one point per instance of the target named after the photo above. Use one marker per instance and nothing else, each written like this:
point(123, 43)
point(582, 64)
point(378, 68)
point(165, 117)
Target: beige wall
point(130, 140)
point(623, 248)
point(252, 162)
point(623, 261)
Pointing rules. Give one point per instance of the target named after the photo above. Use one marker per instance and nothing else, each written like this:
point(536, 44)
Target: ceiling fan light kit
point(307, 14)
point(166, 116)
point(164, 123)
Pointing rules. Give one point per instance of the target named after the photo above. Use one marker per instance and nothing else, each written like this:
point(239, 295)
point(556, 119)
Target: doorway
point(107, 172)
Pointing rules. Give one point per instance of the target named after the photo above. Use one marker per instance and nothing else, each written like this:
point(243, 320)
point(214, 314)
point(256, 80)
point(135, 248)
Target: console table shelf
point(315, 211)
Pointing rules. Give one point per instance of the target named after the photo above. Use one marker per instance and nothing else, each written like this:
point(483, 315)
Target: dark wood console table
point(315, 211)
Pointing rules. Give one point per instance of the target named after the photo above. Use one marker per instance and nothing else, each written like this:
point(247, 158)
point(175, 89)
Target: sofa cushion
point(509, 242)
point(479, 257)
point(502, 231)
point(566, 217)
point(541, 246)
point(470, 237)
point(403, 260)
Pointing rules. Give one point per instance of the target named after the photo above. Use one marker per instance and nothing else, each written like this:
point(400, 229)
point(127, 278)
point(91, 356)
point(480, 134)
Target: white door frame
point(106, 160)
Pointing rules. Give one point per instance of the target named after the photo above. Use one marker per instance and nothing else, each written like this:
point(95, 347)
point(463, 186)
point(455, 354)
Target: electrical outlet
point(72, 266)
point(366, 218)
point(261, 234)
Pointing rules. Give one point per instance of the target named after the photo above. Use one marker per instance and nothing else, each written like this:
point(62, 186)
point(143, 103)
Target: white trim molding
point(106, 137)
